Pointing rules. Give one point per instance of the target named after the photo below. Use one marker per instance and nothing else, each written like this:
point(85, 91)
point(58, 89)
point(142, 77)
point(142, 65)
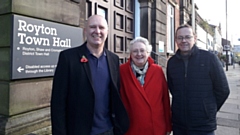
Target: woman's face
point(139, 54)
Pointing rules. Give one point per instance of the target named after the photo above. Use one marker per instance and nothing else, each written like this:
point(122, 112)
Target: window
point(101, 11)
point(137, 19)
point(170, 29)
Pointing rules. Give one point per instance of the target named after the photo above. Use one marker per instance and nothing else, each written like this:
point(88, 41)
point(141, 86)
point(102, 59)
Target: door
point(119, 15)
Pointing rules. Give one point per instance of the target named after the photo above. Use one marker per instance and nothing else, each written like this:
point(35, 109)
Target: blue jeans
point(180, 131)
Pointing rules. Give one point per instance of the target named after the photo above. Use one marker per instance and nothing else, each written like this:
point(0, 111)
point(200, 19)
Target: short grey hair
point(142, 40)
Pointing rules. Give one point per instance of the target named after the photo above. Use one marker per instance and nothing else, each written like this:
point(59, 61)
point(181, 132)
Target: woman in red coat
point(144, 92)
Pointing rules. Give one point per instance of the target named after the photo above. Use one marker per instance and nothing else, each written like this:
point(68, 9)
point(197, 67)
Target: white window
point(137, 19)
point(102, 12)
point(170, 29)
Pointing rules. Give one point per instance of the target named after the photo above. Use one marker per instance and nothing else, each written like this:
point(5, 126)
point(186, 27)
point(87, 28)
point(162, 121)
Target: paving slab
point(228, 118)
point(226, 131)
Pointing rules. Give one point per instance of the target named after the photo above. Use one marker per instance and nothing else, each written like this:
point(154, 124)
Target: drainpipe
point(193, 16)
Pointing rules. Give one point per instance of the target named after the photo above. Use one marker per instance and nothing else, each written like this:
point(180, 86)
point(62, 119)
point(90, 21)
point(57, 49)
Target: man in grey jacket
point(198, 86)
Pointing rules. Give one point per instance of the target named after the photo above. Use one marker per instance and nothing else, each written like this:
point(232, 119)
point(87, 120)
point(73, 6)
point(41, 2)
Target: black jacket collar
point(193, 52)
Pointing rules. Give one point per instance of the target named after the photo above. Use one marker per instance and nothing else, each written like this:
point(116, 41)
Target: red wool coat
point(148, 106)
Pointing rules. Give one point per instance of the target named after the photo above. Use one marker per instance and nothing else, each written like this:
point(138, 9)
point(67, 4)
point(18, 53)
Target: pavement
point(228, 118)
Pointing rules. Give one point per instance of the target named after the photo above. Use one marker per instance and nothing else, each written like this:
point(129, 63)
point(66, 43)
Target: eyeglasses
point(135, 52)
point(187, 38)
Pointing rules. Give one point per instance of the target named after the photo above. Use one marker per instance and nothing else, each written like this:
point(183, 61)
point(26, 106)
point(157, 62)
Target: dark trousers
point(109, 132)
point(180, 131)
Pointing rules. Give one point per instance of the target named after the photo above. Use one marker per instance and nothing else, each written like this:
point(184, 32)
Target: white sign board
point(161, 46)
point(236, 48)
point(226, 47)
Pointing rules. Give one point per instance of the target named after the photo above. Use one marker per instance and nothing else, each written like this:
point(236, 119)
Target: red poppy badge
point(84, 59)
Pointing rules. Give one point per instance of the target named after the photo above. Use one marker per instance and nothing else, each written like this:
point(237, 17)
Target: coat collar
point(193, 52)
point(149, 73)
point(83, 51)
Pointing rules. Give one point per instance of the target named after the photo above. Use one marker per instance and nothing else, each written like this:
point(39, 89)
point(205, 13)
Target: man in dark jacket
point(85, 95)
point(198, 86)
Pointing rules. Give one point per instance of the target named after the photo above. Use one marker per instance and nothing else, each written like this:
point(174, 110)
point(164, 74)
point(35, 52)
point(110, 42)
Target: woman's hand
point(168, 133)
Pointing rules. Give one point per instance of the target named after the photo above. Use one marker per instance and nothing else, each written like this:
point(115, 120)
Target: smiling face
point(96, 31)
point(185, 39)
point(139, 54)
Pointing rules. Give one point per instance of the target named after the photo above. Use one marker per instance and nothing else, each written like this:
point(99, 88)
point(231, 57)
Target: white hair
point(142, 40)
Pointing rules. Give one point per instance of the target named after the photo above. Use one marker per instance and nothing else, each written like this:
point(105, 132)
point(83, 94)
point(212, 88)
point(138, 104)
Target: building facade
point(34, 32)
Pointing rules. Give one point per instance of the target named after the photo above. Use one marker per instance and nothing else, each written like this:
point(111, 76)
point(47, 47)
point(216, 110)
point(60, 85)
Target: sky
point(214, 11)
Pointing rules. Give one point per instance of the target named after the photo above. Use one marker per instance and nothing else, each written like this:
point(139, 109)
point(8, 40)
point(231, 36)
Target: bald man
point(85, 93)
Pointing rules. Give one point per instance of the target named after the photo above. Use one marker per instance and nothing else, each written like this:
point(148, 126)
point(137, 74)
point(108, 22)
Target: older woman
point(144, 92)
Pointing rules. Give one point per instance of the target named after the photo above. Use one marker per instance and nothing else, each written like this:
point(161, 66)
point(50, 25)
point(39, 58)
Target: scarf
point(141, 73)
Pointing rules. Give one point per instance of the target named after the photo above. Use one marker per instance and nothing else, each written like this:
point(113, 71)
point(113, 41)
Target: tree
point(205, 26)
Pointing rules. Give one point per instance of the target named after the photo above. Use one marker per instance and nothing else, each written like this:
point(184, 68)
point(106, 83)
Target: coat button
point(113, 115)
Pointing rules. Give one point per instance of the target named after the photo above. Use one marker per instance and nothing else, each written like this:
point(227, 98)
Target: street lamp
point(226, 40)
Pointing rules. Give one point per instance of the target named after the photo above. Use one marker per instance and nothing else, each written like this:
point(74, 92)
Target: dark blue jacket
point(198, 91)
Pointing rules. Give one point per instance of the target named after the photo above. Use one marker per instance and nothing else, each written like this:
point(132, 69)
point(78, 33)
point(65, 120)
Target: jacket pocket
point(210, 108)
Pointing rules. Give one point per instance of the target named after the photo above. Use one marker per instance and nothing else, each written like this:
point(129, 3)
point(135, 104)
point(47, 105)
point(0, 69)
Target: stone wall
point(25, 103)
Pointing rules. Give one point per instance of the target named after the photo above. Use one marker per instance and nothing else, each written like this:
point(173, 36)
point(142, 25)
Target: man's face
point(96, 31)
point(185, 39)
